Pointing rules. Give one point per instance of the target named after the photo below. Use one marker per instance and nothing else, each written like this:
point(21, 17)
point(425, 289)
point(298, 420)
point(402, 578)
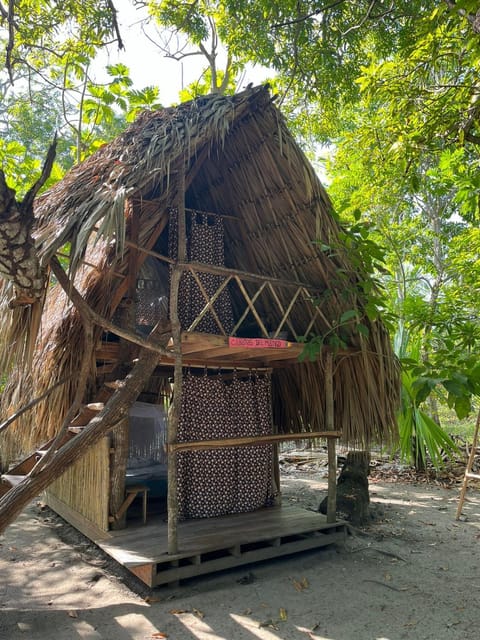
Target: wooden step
point(108, 389)
point(8, 481)
point(25, 466)
point(88, 412)
point(76, 430)
point(11, 479)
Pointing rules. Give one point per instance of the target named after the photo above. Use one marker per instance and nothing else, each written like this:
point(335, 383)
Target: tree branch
point(26, 205)
point(360, 24)
point(307, 16)
point(473, 19)
point(472, 138)
point(115, 24)
point(84, 309)
point(11, 39)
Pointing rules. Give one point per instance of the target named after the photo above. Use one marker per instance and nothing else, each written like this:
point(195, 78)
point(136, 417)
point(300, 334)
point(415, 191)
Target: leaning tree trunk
point(19, 261)
point(114, 411)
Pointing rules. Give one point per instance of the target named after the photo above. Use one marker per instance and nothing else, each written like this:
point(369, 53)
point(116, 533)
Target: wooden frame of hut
point(288, 276)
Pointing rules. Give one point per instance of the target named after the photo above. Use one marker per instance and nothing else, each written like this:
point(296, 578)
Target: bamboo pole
point(246, 441)
point(224, 271)
point(468, 469)
point(118, 470)
point(331, 445)
point(120, 435)
point(33, 403)
point(174, 412)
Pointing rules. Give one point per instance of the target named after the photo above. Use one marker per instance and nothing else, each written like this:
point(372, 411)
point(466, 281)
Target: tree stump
point(352, 489)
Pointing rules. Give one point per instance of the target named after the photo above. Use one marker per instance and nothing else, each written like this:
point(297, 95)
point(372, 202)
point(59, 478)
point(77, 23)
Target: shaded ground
point(413, 573)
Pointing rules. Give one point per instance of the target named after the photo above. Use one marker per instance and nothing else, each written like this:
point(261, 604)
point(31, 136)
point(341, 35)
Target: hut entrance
point(147, 459)
point(231, 479)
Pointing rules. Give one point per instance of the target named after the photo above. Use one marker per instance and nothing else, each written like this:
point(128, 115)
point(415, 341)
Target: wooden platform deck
point(212, 544)
point(215, 350)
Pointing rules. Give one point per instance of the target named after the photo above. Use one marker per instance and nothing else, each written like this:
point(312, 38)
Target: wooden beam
point(96, 318)
point(214, 215)
point(248, 441)
point(175, 407)
point(209, 304)
point(243, 275)
point(118, 469)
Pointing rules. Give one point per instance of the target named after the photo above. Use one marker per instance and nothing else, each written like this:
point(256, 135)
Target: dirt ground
point(414, 573)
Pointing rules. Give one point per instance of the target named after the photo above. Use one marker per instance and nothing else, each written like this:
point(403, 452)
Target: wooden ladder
point(21, 470)
point(469, 474)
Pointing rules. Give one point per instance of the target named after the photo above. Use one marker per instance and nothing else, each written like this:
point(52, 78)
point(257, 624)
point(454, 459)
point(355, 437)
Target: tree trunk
point(18, 258)
point(113, 413)
point(19, 261)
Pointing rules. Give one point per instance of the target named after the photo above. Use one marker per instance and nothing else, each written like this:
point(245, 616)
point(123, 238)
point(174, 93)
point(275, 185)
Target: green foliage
point(420, 436)
point(107, 108)
point(391, 87)
point(47, 35)
point(204, 28)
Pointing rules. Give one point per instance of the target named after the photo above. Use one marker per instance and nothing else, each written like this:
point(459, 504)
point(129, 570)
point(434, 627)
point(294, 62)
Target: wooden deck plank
point(148, 544)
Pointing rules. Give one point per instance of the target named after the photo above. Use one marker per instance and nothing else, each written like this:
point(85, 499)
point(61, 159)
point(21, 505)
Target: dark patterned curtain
point(205, 244)
point(227, 480)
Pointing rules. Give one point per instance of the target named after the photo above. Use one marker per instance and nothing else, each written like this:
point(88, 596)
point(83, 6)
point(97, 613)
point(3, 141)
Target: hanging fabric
point(231, 479)
point(205, 244)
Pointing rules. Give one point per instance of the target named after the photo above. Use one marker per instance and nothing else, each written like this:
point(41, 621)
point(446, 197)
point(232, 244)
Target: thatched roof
point(238, 158)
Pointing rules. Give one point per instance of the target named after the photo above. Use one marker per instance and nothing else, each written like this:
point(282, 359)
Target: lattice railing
point(292, 304)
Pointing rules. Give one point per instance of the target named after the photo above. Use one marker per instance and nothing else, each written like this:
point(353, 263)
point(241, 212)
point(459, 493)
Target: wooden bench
point(131, 493)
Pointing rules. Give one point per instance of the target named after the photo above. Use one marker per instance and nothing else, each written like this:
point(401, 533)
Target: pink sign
point(258, 343)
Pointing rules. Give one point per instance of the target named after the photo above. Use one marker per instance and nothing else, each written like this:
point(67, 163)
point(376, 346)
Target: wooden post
point(120, 435)
point(468, 469)
point(174, 412)
point(331, 442)
point(118, 470)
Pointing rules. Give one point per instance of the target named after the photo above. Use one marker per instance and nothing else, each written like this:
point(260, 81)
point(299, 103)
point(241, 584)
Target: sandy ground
point(413, 573)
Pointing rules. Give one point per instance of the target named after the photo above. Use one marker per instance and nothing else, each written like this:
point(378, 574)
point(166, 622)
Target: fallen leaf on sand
point(198, 613)
point(73, 614)
point(268, 623)
point(177, 612)
point(300, 585)
point(151, 599)
point(282, 614)
point(159, 634)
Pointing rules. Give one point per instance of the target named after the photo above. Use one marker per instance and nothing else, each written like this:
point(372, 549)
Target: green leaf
point(463, 407)
point(348, 315)
point(363, 330)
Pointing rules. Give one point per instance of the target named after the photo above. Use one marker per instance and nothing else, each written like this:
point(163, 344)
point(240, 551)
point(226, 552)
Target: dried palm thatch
point(237, 157)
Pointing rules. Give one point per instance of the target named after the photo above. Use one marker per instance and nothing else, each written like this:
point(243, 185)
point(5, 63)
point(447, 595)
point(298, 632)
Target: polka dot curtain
point(205, 244)
point(232, 479)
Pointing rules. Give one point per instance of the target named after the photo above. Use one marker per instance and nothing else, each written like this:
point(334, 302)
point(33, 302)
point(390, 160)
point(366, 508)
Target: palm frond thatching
point(237, 157)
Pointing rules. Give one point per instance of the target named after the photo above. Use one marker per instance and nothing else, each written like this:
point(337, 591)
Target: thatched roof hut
point(234, 157)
